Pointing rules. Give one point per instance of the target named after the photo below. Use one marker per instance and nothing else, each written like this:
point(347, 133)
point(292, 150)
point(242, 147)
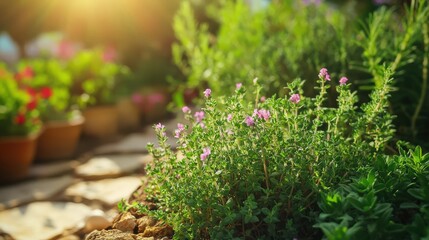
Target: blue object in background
point(9, 52)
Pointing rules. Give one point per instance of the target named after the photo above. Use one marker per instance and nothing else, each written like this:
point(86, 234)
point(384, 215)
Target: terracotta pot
point(58, 140)
point(100, 121)
point(16, 156)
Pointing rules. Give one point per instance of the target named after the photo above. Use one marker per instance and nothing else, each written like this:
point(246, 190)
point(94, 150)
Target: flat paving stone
point(107, 191)
point(52, 169)
point(111, 165)
point(42, 189)
point(42, 220)
point(133, 143)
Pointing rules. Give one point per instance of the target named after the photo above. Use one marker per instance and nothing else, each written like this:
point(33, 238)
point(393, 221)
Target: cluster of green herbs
point(401, 40)
point(289, 39)
point(256, 169)
point(278, 44)
point(389, 200)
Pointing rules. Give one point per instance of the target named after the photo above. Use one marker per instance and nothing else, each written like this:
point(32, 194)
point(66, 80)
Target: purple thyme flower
point(265, 114)
point(323, 74)
point(343, 80)
point(249, 121)
point(199, 116)
point(159, 126)
point(205, 154)
point(179, 130)
point(186, 109)
point(381, 2)
point(308, 2)
point(295, 98)
point(263, 98)
point(238, 85)
point(229, 118)
point(207, 92)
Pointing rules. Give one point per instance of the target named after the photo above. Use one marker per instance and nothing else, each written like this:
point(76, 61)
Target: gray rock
point(42, 220)
point(42, 189)
point(108, 191)
point(52, 169)
point(134, 143)
point(110, 166)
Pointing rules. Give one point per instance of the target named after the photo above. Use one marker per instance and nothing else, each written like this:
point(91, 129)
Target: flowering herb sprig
point(255, 168)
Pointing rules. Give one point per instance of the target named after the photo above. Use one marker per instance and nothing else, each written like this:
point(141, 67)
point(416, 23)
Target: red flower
point(27, 72)
point(46, 92)
point(31, 92)
point(32, 104)
point(20, 119)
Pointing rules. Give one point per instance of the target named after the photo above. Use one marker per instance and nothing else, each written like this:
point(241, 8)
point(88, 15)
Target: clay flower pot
point(101, 121)
point(16, 157)
point(58, 139)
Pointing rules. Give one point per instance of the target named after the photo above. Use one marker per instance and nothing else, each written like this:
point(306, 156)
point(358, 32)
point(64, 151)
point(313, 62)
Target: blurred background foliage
point(193, 44)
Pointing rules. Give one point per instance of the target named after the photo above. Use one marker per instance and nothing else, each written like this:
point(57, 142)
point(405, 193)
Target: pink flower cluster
point(229, 117)
point(186, 109)
point(207, 92)
point(238, 86)
point(205, 154)
point(343, 80)
point(199, 116)
point(262, 113)
point(249, 121)
point(179, 130)
point(323, 74)
point(295, 98)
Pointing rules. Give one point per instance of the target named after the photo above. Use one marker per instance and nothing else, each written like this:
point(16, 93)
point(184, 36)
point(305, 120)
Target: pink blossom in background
point(199, 116)
point(66, 50)
point(238, 85)
point(207, 92)
point(186, 109)
point(324, 74)
point(137, 98)
point(308, 2)
point(110, 54)
point(295, 98)
point(229, 117)
point(205, 154)
point(249, 121)
point(343, 80)
point(263, 98)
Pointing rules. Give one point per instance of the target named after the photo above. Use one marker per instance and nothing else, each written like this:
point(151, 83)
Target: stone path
point(68, 199)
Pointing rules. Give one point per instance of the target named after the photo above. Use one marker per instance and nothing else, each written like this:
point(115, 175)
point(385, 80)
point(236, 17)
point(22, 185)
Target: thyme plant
point(255, 169)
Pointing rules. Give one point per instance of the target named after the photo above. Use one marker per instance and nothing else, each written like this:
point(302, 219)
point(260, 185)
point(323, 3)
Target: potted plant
point(19, 127)
point(59, 109)
point(95, 78)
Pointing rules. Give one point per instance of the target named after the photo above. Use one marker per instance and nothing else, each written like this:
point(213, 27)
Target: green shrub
point(286, 40)
point(390, 202)
point(255, 169)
